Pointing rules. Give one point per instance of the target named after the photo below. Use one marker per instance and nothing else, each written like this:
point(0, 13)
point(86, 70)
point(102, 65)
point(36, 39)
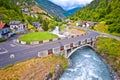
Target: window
point(6, 30)
point(2, 31)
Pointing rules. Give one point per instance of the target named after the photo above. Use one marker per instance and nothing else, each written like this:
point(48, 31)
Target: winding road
point(16, 53)
point(107, 35)
point(110, 36)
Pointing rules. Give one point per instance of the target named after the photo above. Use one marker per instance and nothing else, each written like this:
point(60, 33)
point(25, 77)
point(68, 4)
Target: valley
point(36, 36)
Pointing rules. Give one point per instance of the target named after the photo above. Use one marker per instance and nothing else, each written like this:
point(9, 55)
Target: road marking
point(12, 56)
point(12, 45)
point(5, 51)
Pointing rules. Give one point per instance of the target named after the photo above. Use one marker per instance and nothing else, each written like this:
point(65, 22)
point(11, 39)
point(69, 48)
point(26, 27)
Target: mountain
point(12, 10)
point(26, 11)
point(72, 11)
point(51, 8)
point(101, 10)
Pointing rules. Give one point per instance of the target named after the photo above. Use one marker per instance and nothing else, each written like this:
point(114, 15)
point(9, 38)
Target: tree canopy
point(101, 10)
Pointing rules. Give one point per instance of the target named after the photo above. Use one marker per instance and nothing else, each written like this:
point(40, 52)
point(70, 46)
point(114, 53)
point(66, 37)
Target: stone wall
point(45, 41)
point(34, 43)
point(22, 42)
point(42, 53)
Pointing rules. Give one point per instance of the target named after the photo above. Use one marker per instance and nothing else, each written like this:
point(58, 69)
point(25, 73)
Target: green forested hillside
point(9, 11)
point(101, 10)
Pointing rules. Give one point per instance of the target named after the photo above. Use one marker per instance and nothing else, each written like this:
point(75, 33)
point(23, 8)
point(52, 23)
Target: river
point(86, 65)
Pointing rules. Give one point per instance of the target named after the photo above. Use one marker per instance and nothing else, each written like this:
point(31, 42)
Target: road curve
point(107, 35)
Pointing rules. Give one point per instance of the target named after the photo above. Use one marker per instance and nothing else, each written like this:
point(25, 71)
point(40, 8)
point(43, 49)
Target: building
point(25, 10)
point(85, 24)
point(92, 23)
point(79, 24)
point(18, 27)
point(69, 22)
point(37, 25)
point(4, 30)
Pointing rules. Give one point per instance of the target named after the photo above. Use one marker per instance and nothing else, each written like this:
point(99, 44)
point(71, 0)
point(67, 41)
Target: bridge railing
point(67, 48)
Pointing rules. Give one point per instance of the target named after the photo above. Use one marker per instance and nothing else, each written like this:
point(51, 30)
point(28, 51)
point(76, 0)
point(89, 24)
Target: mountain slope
point(72, 11)
point(102, 10)
point(9, 11)
point(51, 8)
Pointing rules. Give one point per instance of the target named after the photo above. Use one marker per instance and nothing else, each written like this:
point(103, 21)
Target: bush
point(2, 39)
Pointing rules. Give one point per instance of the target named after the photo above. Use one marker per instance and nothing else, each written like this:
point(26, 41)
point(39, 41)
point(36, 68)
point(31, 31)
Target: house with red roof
point(4, 30)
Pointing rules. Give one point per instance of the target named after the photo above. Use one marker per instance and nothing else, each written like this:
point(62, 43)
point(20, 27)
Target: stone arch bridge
point(58, 47)
point(66, 49)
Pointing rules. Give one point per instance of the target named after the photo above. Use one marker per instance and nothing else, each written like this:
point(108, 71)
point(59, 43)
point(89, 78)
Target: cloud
point(69, 4)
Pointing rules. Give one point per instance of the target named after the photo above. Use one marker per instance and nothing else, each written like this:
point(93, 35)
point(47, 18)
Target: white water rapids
point(86, 65)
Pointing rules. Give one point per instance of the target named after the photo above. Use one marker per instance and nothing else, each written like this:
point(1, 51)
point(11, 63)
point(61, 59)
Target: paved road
point(17, 53)
point(108, 35)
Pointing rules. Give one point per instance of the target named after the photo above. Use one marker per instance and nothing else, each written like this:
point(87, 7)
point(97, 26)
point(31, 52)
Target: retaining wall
point(45, 41)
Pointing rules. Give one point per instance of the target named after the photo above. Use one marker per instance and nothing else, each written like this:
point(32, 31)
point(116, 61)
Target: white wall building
point(17, 26)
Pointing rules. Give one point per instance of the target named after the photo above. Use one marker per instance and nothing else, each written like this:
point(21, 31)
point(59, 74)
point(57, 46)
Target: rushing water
point(86, 65)
point(56, 32)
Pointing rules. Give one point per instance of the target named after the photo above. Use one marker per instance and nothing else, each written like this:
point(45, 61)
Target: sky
point(70, 4)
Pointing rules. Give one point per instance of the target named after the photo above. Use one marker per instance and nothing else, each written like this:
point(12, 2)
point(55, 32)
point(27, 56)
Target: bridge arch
point(79, 48)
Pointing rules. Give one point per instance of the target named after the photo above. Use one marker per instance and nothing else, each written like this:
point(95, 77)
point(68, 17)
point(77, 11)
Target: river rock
point(69, 62)
point(48, 76)
point(57, 72)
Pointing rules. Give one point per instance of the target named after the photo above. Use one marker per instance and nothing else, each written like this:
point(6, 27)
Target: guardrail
point(46, 41)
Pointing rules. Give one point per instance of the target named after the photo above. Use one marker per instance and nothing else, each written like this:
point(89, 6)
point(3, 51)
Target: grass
point(101, 27)
point(62, 27)
point(2, 39)
point(116, 34)
point(32, 28)
point(38, 36)
point(82, 30)
point(109, 46)
point(33, 69)
point(109, 49)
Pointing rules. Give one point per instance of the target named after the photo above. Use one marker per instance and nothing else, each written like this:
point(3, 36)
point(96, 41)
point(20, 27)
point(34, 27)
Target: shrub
point(2, 39)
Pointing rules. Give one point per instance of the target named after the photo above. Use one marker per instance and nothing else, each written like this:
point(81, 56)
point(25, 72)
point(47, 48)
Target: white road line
point(12, 45)
point(5, 51)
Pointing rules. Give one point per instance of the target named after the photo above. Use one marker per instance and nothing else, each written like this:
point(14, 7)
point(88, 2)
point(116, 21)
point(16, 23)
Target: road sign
point(12, 56)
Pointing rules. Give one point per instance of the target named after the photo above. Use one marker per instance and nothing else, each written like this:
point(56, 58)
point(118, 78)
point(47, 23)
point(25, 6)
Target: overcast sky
point(69, 4)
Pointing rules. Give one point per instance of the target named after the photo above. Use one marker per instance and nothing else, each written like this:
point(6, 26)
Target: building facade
point(18, 27)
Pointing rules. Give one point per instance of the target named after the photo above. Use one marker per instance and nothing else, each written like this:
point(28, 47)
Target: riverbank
point(108, 49)
point(33, 69)
point(86, 65)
